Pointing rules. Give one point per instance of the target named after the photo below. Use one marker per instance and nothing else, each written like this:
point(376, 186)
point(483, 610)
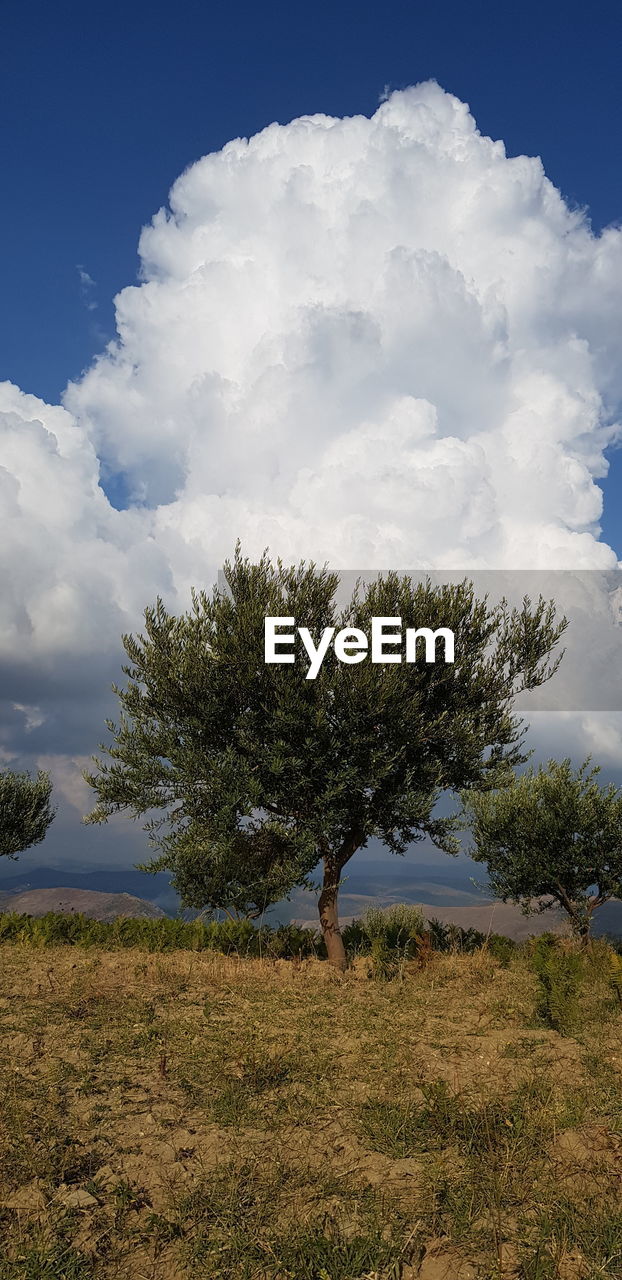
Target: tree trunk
point(584, 931)
point(329, 916)
point(581, 921)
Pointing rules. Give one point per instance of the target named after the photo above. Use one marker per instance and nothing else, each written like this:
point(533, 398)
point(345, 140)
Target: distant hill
point(503, 917)
point(488, 917)
point(499, 917)
point(104, 879)
point(378, 881)
point(88, 902)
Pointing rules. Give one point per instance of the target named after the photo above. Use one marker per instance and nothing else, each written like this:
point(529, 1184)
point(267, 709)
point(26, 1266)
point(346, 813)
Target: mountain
point(88, 902)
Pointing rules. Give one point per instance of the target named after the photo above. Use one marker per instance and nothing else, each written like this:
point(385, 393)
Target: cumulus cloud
point(70, 561)
point(373, 341)
point(380, 341)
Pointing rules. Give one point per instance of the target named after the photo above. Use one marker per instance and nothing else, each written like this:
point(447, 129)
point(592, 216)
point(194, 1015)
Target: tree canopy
point(258, 774)
point(25, 811)
point(554, 833)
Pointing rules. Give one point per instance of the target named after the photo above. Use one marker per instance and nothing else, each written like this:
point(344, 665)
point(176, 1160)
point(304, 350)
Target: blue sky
point(104, 107)
point(105, 104)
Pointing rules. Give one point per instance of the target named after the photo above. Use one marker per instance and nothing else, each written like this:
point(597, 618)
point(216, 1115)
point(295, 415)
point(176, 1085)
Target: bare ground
point(193, 1115)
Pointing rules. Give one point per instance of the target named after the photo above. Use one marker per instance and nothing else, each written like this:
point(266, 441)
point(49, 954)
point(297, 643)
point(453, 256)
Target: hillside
point(503, 917)
point(488, 917)
point(88, 902)
point(500, 917)
point(199, 1117)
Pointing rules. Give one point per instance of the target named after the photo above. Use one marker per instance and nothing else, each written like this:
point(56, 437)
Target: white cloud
point(66, 774)
point(71, 564)
point(373, 340)
point(603, 737)
point(87, 284)
point(377, 341)
point(579, 734)
point(32, 716)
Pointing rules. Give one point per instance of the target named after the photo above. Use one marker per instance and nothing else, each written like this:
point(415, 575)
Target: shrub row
point(400, 932)
point(239, 936)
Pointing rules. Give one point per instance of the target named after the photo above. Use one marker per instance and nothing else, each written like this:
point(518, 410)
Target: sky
point(344, 282)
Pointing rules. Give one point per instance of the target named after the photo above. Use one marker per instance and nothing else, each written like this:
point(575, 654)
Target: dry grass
point(194, 1115)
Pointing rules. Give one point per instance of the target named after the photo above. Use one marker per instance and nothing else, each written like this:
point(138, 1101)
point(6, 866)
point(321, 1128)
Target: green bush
point(560, 971)
point(398, 925)
point(501, 948)
point(398, 934)
point(355, 940)
point(394, 932)
point(389, 936)
point(451, 937)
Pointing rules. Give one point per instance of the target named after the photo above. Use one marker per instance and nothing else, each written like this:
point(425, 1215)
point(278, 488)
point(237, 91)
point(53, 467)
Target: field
point(198, 1115)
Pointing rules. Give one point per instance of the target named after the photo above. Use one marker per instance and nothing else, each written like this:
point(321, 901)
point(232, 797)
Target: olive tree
point(25, 811)
point(553, 834)
point(250, 775)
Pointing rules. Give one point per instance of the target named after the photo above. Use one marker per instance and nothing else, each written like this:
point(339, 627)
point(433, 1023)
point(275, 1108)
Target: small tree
point(25, 811)
point(554, 833)
point(261, 774)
